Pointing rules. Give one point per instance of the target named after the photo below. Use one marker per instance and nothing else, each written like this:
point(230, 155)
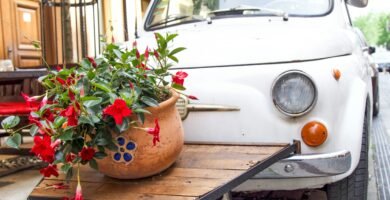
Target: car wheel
point(353, 187)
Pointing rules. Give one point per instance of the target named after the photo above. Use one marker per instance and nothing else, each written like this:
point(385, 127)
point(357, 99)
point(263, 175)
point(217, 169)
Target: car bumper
point(313, 165)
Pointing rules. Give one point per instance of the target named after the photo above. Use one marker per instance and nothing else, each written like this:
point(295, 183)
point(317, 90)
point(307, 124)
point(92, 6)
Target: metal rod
point(77, 35)
point(125, 20)
point(98, 22)
point(55, 34)
point(94, 30)
point(260, 166)
point(63, 32)
point(85, 31)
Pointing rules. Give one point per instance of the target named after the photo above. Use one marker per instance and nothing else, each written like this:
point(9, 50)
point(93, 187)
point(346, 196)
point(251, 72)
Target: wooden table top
point(199, 170)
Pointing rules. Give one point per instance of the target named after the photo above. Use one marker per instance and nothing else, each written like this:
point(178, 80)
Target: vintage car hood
point(238, 43)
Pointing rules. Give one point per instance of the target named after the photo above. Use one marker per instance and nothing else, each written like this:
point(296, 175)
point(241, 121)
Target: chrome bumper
point(313, 165)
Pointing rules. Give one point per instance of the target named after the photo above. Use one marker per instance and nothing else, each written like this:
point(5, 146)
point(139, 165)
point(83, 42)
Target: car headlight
point(294, 93)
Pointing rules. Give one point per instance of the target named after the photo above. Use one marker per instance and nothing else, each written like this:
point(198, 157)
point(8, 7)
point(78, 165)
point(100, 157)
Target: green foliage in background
point(374, 27)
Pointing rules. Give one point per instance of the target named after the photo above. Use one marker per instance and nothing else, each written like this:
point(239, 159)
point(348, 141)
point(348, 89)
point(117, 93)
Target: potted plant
point(116, 113)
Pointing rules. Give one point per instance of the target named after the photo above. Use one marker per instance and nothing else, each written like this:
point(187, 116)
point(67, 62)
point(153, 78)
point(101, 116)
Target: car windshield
point(173, 12)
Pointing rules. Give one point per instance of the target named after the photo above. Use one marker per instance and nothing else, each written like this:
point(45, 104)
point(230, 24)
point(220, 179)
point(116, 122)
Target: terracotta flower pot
point(137, 157)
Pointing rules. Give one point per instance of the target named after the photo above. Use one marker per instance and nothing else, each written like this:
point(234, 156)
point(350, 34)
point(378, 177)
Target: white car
point(274, 71)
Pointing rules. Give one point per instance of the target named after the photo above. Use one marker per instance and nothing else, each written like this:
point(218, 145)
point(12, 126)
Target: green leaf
point(100, 155)
point(149, 101)
point(118, 53)
point(36, 44)
point(10, 122)
point(67, 135)
point(177, 50)
point(101, 86)
point(102, 142)
point(171, 36)
point(140, 110)
point(85, 64)
point(14, 140)
point(91, 103)
point(33, 130)
point(85, 120)
point(124, 126)
point(93, 164)
point(178, 87)
point(66, 167)
point(59, 121)
point(173, 58)
point(69, 174)
point(88, 98)
point(141, 117)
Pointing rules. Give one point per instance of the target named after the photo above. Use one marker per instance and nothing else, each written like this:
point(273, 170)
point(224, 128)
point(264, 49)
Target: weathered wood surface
point(199, 170)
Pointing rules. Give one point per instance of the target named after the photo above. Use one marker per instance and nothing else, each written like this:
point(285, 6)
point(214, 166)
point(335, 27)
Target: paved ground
point(381, 140)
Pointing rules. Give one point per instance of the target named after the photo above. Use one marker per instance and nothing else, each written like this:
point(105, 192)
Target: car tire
point(355, 186)
point(376, 106)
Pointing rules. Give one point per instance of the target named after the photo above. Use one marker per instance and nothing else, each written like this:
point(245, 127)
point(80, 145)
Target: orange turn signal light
point(314, 134)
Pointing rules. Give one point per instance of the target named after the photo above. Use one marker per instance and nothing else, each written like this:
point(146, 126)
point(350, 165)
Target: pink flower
point(50, 170)
point(92, 61)
point(61, 81)
point(79, 194)
point(146, 54)
point(30, 101)
point(118, 111)
point(155, 132)
point(134, 44)
point(179, 77)
point(71, 95)
point(193, 97)
point(156, 54)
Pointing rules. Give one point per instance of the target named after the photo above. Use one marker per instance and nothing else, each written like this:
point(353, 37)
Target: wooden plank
point(199, 170)
point(90, 191)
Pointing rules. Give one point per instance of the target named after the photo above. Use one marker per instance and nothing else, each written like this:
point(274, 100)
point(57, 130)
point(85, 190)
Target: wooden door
point(26, 29)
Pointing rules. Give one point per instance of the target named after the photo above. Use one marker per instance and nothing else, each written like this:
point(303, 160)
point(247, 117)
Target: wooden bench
point(203, 171)
point(11, 101)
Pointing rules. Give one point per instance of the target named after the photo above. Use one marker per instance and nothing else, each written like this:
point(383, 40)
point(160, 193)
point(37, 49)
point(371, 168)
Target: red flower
point(70, 157)
point(58, 68)
point(92, 61)
point(48, 115)
point(49, 171)
point(131, 85)
point(71, 95)
point(193, 97)
point(156, 54)
point(60, 80)
point(87, 153)
point(71, 114)
point(118, 111)
point(43, 148)
point(137, 54)
point(30, 101)
point(34, 120)
point(179, 77)
point(155, 132)
point(146, 54)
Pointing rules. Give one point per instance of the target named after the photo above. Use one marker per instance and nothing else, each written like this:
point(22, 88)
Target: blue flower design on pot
point(125, 153)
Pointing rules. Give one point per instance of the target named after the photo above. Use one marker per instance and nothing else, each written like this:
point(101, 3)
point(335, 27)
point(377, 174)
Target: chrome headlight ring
point(294, 93)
